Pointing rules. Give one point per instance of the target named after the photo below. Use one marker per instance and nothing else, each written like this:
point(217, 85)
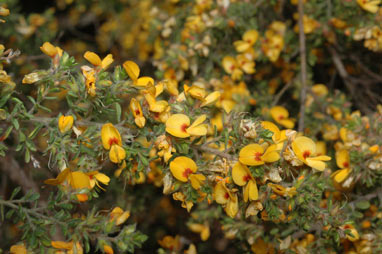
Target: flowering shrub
point(209, 126)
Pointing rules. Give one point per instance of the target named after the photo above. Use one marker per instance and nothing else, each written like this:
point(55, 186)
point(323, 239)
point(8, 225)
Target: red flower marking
point(258, 156)
point(346, 164)
point(113, 141)
point(184, 127)
point(226, 195)
point(246, 178)
point(137, 112)
point(281, 117)
point(306, 154)
point(187, 172)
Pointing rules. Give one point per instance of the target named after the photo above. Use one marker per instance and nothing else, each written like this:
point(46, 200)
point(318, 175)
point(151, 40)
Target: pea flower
point(255, 155)
point(132, 69)
point(179, 126)
point(65, 123)
point(111, 140)
point(231, 66)
point(179, 196)
point(95, 60)
point(18, 249)
point(154, 106)
point(119, 216)
point(202, 229)
point(48, 49)
point(243, 177)
point(183, 169)
point(248, 40)
point(70, 247)
point(108, 249)
point(95, 177)
point(281, 116)
point(305, 150)
point(343, 162)
point(278, 136)
point(90, 80)
point(135, 107)
point(77, 179)
point(227, 198)
point(369, 5)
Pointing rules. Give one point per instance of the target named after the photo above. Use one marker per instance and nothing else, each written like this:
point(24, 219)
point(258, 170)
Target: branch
point(215, 151)
point(281, 92)
point(303, 64)
point(13, 170)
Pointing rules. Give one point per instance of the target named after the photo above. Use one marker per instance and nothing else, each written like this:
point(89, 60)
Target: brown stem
point(303, 65)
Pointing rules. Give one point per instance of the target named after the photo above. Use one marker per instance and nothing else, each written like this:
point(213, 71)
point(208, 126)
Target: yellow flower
point(183, 169)
point(90, 80)
point(154, 105)
point(132, 69)
point(354, 233)
point(320, 90)
point(69, 246)
point(227, 198)
point(210, 99)
point(171, 243)
point(369, 5)
point(95, 177)
point(182, 198)
point(280, 115)
point(247, 65)
point(202, 229)
point(77, 179)
point(135, 107)
point(65, 123)
point(179, 126)
point(305, 150)
point(119, 216)
point(231, 66)
point(283, 191)
point(242, 177)
point(117, 154)
point(95, 60)
point(255, 154)
point(110, 136)
point(309, 24)
point(343, 162)
point(48, 49)
point(164, 145)
point(249, 39)
point(108, 249)
point(278, 136)
point(111, 140)
point(195, 91)
point(28, 79)
point(18, 249)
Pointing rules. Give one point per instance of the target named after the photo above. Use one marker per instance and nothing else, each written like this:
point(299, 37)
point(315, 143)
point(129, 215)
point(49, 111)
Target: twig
point(13, 170)
point(348, 80)
point(303, 64)
point(281, 92)
point(215, 151)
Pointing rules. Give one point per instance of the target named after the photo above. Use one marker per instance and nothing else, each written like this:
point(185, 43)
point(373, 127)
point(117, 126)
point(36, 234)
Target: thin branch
point(13, 170)
point(281, 92)
point(303, 65)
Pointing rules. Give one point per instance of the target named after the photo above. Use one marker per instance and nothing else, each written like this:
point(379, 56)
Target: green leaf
point(363, 204)
point(27, 156)
point(15, 192)
point(118, 110)
point(15, 123)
